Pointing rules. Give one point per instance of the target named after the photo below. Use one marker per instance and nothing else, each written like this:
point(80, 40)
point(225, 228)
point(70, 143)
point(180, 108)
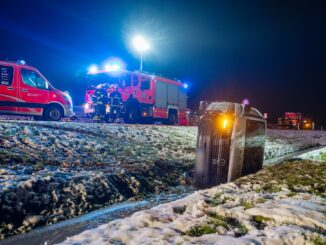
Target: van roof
point(13, 63)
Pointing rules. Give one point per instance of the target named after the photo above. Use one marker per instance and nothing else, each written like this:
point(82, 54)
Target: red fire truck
point(25, 91)
point(295, 120)
point(158, 98)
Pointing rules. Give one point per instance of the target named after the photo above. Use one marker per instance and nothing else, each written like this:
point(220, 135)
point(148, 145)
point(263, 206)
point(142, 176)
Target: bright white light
point(185, 85)
point(93, 69)
point(140, 44)
point(107, 67)
point(114, 67)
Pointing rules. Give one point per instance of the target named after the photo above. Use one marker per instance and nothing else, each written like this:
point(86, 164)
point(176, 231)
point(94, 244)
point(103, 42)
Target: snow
point(66, 169)
point(274, 217)
point(316, 155)
point(282, 142)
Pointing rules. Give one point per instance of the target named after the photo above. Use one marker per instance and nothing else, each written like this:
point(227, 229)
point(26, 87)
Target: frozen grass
point(292, 212)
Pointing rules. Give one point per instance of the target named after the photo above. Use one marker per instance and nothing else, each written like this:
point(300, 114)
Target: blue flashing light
point(185, 85)
point(93, 69)
point(21, 62)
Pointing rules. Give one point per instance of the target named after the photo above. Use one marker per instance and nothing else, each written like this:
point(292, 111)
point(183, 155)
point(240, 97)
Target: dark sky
point(272, 52)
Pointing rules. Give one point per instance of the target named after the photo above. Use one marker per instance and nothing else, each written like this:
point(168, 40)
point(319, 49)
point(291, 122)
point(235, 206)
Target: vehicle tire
point(53, 113)
point(132, 115)
point(172, 118)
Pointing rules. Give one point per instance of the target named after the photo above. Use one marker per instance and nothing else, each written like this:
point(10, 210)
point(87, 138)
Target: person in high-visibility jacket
point(100, 100)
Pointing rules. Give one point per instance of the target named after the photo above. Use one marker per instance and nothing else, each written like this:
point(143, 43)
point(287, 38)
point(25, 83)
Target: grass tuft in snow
point(260, 221)
point(319, 241)
point(214, 215)
point(217, 224)
point(216, 200)
point(292, 194)
point(261, 200)
point(295, 177)
point(198, 230)
point(179, 209)
point(272, 188)
point(247, 205)
point(323, 156)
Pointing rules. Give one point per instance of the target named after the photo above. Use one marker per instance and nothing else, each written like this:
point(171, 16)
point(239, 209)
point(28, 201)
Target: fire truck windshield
point(100, 78)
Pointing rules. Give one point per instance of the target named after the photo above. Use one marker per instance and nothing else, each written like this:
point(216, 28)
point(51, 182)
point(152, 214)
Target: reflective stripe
point(12, 97)
point(22, 104)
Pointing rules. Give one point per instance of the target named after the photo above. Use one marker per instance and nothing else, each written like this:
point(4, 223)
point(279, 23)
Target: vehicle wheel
point(173, 118)
point(132, 115)
point(53, 113)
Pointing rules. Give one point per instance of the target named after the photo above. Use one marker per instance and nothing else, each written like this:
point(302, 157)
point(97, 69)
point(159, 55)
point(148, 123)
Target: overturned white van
point(230, 143)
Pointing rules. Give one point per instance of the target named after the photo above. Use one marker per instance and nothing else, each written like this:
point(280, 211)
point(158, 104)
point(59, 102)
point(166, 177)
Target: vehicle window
point(135, 81)
point(32, 79)
point(6, 75)
point(145, 84)
point(41, 83)
point(126, 81)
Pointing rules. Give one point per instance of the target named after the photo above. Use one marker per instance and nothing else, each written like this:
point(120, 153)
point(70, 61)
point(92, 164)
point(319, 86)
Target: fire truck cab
point(154, 97)
point(25, 91)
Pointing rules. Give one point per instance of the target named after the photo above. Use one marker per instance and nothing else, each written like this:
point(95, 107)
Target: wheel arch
point(173, 109)
point(57, 104)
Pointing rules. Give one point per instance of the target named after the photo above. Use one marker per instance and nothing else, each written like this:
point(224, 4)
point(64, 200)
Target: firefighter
point(100, 99)
point(132, 110)
point(115, 103)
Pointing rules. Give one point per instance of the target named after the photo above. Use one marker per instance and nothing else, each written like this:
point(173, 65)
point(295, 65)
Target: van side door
point(34, 91)
point(8, 89)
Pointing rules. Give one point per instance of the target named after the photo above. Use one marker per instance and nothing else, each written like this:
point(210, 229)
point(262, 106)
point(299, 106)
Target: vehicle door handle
point(10, 88)
point(24, 90)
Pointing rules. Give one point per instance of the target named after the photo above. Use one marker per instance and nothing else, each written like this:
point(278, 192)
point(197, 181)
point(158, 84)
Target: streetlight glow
point(141, 46)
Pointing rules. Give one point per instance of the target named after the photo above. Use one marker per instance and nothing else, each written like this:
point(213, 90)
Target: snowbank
point(284, 204)
point(316, 155)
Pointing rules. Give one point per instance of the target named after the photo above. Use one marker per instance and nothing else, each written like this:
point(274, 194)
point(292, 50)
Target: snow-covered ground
point(316, 155)
point(53, 171)
point(282, 142)
point(283, 204)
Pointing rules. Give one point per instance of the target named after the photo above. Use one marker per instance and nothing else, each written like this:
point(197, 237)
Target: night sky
point(273, 53)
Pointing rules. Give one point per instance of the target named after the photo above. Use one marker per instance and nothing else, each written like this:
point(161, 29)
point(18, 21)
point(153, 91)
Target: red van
point(25, 91)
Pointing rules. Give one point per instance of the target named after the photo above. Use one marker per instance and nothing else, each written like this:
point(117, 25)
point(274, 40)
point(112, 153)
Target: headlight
point(225, 122)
